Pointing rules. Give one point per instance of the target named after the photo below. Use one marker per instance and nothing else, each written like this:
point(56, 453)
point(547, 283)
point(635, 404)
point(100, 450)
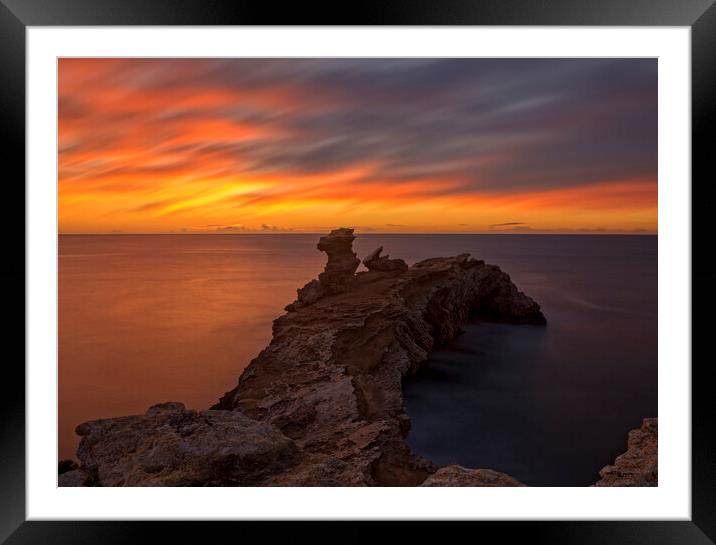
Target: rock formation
point(322, 404)
point(331, 377)
point(339, 272)
point(462, 476)
point(375, 262)
point(638, 466)
point(172, 446)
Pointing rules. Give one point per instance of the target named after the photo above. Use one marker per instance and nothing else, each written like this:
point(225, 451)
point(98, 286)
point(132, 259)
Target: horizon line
point(262, 233)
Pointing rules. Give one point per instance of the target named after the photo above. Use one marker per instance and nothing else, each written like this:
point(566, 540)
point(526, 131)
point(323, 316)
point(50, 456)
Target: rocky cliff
point(322, 404)
point(638, 466)
point(331, 377)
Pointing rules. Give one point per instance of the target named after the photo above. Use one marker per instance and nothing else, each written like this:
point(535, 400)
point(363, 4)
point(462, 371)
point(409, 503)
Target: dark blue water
point(549, 405)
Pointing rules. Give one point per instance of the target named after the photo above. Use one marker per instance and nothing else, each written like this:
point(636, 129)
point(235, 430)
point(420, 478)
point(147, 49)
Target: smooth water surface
point(151, 318)
point(548, 405)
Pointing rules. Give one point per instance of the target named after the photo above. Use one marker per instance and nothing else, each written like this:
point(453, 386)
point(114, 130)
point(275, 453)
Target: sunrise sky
point(384, 145)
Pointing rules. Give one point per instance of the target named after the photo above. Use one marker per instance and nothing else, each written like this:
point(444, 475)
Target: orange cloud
point(166, 146)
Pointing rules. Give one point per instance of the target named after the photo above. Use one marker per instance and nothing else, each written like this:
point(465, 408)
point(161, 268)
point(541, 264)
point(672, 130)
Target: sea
point(150, 318)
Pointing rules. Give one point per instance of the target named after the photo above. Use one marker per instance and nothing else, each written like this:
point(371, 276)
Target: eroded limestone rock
point(172, 446)
point(639, 465)
point(461, 476)
point(339, 272)
point(331, 378)
point(375, 262)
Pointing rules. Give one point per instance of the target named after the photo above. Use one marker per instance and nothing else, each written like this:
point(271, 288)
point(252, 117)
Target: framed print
point(423, 264)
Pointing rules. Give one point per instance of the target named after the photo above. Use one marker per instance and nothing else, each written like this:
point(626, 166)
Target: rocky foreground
point(322, 404)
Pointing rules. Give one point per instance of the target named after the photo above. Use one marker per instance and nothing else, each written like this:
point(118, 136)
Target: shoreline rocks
point(375, 262)
point(322, 404)
point(331, 377)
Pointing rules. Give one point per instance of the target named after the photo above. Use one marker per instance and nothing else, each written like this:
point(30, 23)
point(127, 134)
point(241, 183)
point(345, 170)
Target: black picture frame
point(16, 15)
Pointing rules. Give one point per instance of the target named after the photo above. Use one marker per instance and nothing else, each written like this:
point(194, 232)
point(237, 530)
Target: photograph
point(364, 271)
point(423, 262)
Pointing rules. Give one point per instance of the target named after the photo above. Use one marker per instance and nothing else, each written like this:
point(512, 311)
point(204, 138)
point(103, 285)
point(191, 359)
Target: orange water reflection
point(145, 319)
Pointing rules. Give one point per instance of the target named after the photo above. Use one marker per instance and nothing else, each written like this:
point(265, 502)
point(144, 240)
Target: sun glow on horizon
point(422, 145)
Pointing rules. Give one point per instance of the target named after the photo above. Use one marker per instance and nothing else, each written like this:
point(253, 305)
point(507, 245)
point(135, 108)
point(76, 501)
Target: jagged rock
point(310, 293)
point(461, 476)
point(339, 272)
point(638, 466)
point(342, 260)
point(331, 377)
point(375, 262)
point(172, 446)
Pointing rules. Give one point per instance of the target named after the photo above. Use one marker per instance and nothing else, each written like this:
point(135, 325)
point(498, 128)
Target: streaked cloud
point(398, 144)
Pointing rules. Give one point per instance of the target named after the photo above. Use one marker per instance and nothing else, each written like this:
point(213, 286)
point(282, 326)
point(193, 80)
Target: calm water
point(549, 405)
point(145, 319)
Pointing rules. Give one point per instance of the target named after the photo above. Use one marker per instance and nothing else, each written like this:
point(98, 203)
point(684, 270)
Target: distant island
point(322, 404)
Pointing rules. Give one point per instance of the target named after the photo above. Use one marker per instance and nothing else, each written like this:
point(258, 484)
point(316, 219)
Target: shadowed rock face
point(342, 261)
point(638, 466)
point(322, 404)
point(375, 262)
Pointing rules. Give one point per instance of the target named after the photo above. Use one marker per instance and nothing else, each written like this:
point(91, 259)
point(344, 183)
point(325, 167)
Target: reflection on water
point(144, 319)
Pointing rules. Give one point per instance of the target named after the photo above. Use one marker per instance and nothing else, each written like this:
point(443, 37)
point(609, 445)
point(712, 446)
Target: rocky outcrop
point(462, 476)
point(375, 262)
point(322, 404)
point(638, 466)
point(339, 272)
point(172, 446)
point(331, 377)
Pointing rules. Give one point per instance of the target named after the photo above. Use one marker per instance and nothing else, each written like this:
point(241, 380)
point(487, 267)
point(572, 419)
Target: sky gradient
point(384, 145)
